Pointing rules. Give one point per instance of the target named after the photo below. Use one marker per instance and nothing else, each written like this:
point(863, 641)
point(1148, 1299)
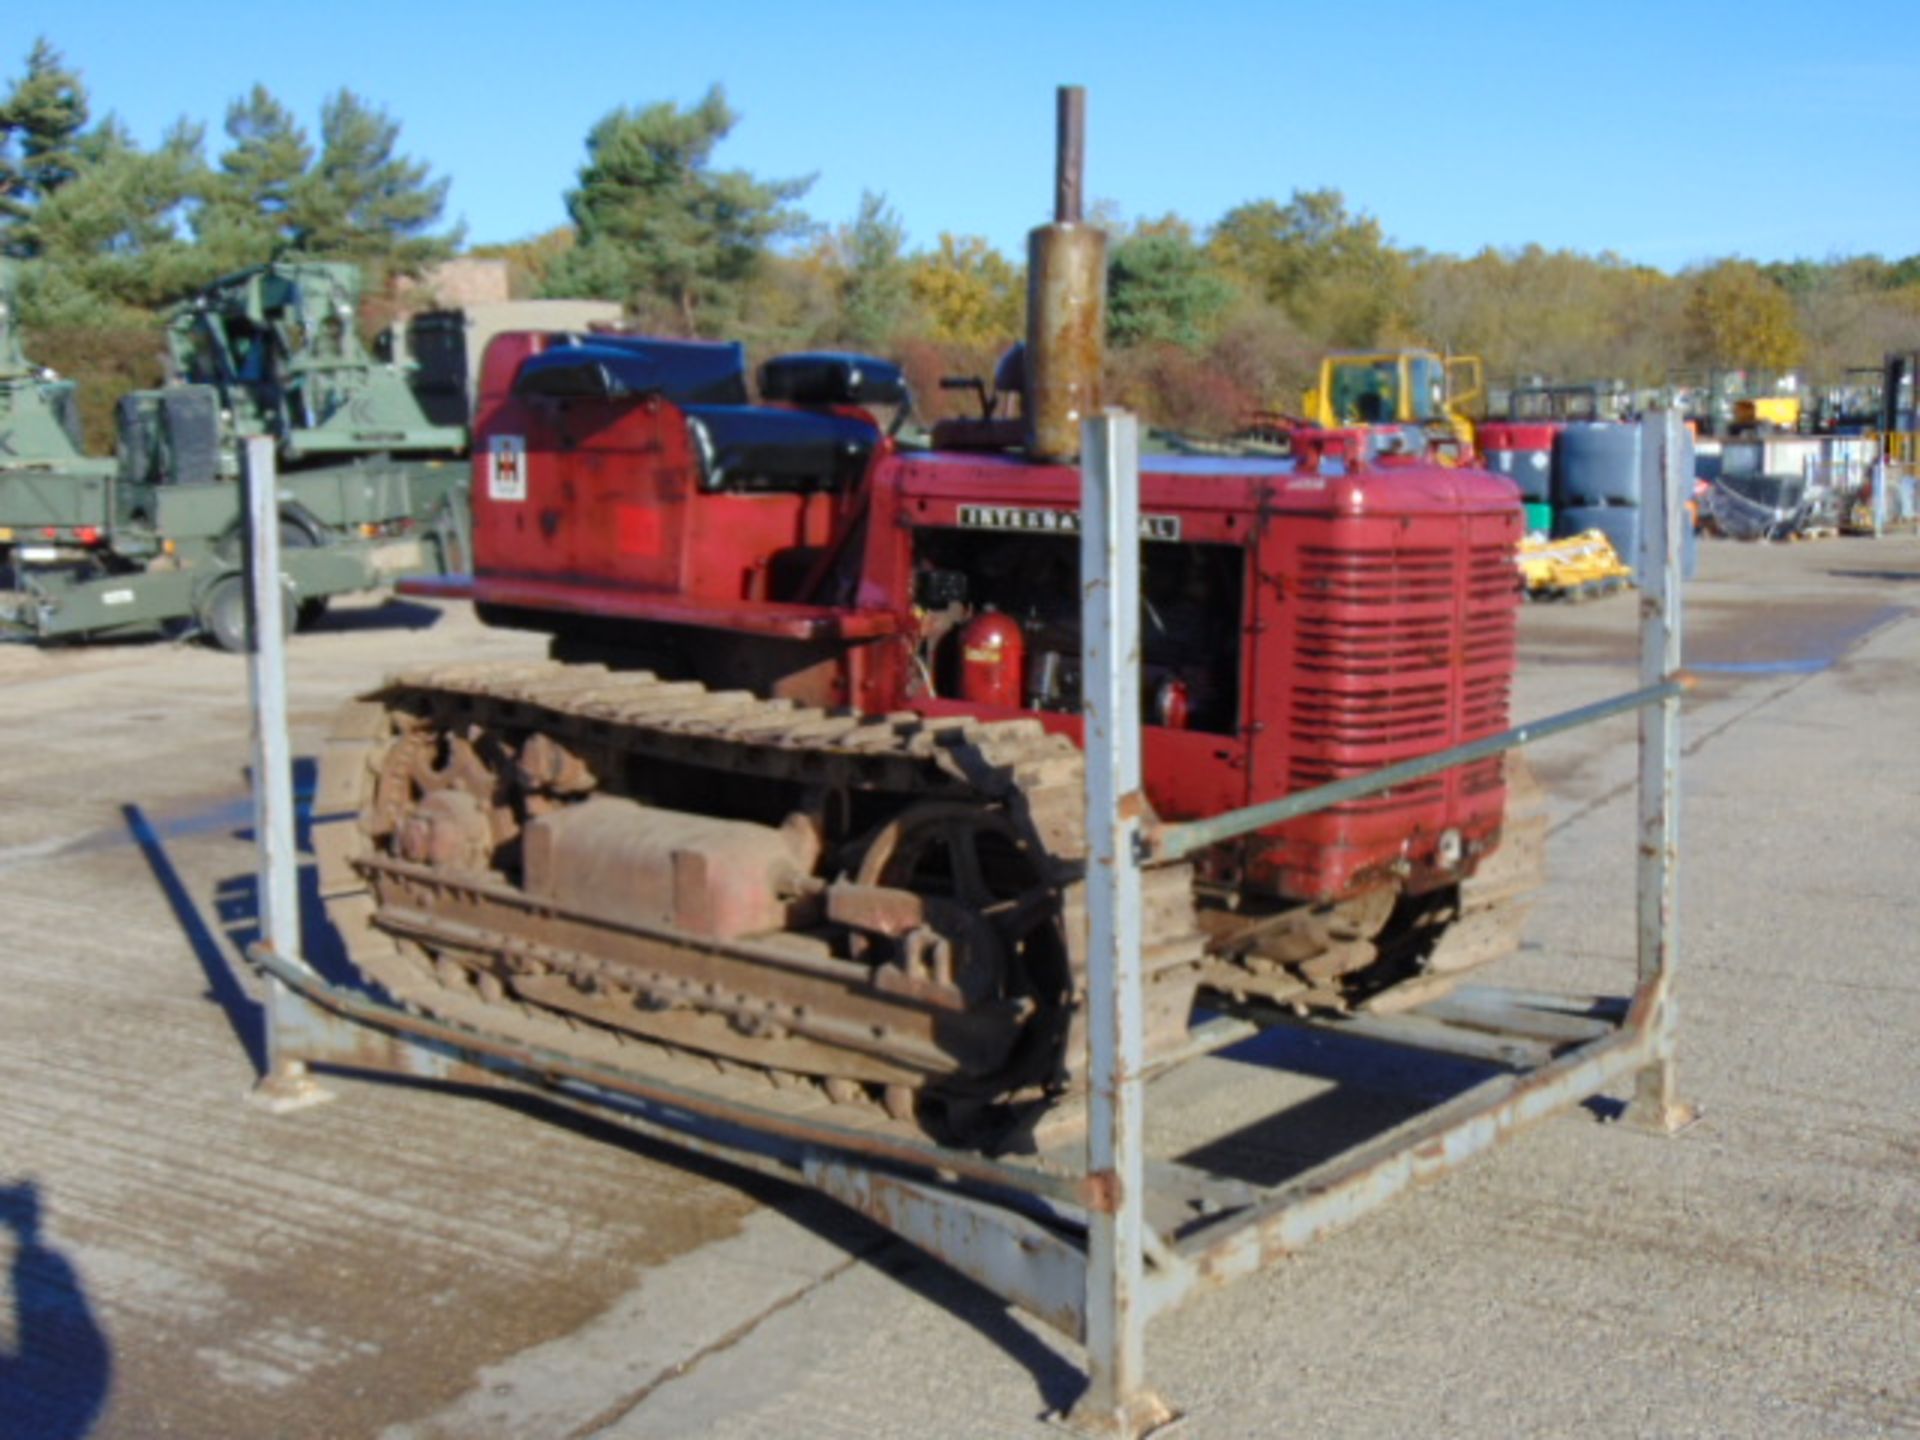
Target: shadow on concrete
point(236, 903)
point(1056, 1379)
point(1372, 1088)
point(56, 1368)
point(236, 899)
point(243, 1012)
point(306, 774)
point(396, 614)
point(141, 639)
point(1604, 1108)
point(1884, 577)
point(220, 950)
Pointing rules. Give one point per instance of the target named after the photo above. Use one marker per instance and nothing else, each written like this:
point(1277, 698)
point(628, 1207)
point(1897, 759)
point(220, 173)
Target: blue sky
point(1670, 133)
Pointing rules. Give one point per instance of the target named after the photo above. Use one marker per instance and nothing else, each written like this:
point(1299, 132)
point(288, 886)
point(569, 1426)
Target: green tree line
point(110, 234)
point(1206, 322)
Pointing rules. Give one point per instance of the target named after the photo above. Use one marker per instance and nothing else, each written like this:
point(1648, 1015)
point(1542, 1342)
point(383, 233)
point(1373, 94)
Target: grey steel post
point(1117, 1402)
point(1880, 478)
point(285, 1084)
point(266, 661)
point(1663, 489)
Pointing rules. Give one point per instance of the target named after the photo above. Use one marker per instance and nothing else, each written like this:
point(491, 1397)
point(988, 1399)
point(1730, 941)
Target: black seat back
point(747, 447)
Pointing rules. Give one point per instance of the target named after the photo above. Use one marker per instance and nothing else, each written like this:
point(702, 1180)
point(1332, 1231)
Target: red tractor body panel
point(1326, 621)
point(1379, 624)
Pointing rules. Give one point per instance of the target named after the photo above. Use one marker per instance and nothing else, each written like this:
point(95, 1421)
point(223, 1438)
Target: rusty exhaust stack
point(1066, 300)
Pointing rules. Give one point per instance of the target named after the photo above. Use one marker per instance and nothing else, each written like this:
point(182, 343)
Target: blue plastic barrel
point(1523, 452)
point(1597, 463)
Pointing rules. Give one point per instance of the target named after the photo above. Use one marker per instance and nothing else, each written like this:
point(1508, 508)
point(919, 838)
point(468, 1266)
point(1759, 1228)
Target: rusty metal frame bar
point(286, 1084)
point(1074, 1247)
point(1333, 1195)
point(1346, 1187)
point(1117, 1401)
point(485, 1053)
point(1173, 842)
point(1016, 1230)
point(1663, 491)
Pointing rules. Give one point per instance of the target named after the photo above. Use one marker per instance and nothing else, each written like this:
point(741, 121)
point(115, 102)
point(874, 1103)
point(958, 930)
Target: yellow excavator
point(1400, 387)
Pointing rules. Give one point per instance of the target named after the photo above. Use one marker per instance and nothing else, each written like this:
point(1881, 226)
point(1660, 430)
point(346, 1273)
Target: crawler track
point(976, 827)
point(949, 809)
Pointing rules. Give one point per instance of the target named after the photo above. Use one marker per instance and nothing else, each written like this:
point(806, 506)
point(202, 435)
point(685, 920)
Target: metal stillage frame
point(1072, 1243)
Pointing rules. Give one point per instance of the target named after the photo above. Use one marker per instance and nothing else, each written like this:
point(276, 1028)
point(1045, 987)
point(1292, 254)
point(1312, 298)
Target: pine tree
point(40, 126)
point(874, 291)
point(250, 198)
point(109, 241)
point(361, 201)
point(1160, 287)
point(656, 223)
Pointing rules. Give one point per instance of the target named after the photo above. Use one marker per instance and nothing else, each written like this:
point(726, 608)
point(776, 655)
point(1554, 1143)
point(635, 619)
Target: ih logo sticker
point(507, 468)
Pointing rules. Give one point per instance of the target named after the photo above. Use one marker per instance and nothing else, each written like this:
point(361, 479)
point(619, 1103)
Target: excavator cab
point(1400, 387)
point(1368, 391)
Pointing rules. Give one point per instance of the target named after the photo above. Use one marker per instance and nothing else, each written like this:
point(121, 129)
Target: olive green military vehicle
point(371, 489)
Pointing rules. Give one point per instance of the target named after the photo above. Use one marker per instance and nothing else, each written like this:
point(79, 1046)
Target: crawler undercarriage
point(886, 910)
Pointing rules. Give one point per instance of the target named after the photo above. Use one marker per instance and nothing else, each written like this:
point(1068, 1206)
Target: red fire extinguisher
point(993, 660)
point(1172, 705)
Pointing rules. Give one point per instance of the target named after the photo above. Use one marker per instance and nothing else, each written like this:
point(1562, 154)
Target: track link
point(622, 723)
point(1380, 953)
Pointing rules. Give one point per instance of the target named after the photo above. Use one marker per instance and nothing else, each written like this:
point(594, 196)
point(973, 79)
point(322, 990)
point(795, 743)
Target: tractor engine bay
point(1001, 625)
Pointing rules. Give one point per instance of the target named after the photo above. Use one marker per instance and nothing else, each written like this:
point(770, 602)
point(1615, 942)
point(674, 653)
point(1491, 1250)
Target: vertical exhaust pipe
point(1066, 300)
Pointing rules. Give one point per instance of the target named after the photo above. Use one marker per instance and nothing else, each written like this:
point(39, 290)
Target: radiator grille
point(1400, 650)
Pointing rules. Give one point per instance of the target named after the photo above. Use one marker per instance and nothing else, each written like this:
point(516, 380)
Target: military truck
point(52, 493)
point(370, 489)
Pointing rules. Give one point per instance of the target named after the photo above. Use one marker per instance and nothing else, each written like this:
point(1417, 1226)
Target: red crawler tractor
point(800, 790)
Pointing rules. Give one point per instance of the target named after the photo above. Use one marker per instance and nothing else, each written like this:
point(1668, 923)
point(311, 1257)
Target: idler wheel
point(976, 859)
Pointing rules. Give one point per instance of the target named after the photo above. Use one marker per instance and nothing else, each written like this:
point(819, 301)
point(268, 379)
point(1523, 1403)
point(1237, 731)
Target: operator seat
point(795, 444)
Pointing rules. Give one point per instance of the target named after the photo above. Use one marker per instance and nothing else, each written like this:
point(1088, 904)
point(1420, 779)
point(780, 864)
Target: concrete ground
point(405, 1262)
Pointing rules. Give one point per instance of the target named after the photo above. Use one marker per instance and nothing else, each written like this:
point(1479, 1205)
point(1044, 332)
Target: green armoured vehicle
point(51, 492)
point(370, 489)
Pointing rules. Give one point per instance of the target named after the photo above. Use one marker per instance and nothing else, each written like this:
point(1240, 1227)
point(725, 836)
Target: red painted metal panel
point(437, 587)
point(613, 504)
point(585, 464)
point(1504, 435)
point(786, 622)
point(1378, 620)
point(1382, 612)
point(1190, 775)
point(1390, 635)
point(1214, 508)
